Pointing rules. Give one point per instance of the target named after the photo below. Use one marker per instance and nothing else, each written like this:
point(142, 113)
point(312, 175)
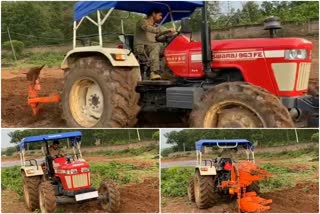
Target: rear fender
point(30, 171)
point(130, 60)
point(206, 170)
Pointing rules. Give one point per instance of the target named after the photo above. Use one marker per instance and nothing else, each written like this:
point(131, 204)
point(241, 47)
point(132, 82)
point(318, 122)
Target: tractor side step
point(156, 82)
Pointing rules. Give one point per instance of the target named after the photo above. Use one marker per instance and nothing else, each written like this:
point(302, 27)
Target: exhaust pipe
point(206, 42)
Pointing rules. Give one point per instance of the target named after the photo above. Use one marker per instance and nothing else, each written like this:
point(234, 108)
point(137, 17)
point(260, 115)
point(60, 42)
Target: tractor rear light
point(85, 170)
point(119, 57)
point(204, 169)
point(71, 171)
point(227, 166)
point(295, 54)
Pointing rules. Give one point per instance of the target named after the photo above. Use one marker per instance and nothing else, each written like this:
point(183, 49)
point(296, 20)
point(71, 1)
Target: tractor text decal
point(243, 55)
point(176, 59)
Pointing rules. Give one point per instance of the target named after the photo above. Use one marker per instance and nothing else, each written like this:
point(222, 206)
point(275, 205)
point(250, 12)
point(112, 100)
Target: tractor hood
point(62, 164)
point(260, 43)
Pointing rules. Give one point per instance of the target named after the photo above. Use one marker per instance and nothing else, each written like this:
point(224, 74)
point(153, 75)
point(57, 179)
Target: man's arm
point(144, 25)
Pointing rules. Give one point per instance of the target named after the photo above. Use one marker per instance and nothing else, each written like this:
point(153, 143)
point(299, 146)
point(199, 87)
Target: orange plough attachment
point(34, 87)
point(243, 174)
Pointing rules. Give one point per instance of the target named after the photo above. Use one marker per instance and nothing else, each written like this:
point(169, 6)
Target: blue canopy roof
point(215, 142)
point(180, 9)
point(58, 136)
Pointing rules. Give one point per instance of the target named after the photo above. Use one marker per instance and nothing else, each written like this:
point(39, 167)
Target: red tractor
point(259, 82)
point(62, 179)
point(228, 178)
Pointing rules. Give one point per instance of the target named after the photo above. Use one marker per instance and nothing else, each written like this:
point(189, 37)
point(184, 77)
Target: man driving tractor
point(54, 149)
point(145, 41)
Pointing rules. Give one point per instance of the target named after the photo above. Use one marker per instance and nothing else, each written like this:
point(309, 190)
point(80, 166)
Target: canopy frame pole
point(74, 34)
point(106, 16)
point(99, 28)
point(227, 147)
point(92, 21)
point(78, 25)
point(22, 161)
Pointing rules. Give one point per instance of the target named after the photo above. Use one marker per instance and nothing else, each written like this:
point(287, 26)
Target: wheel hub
point(237, 118)
point(232, 115)
point(86, 102)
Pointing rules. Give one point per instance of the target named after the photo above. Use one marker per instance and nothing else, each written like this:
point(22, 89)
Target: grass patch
point(120, 173)
point(11, 179)
point(285, 177)
point(29, 59)
point(152, 148)
point(174, 181)
point(310, 151)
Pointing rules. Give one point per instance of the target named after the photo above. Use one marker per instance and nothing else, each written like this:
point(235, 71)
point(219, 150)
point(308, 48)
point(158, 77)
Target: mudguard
point(32, 170)
point(130, 60)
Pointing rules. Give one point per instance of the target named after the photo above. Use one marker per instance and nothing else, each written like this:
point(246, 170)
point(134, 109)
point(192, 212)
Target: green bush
point(155, 136)
point(111, 171)
point(18, 46)
point(9, 151)
point(11, 179)
point(48, 58)
point(174, 181)
point(315, 137)
point(52, 37)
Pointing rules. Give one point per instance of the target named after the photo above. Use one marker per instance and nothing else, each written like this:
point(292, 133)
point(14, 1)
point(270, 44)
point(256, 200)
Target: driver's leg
point(153, 51)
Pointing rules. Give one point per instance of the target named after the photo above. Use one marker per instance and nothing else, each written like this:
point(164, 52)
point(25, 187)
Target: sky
point(5, 139)
point(232, 4)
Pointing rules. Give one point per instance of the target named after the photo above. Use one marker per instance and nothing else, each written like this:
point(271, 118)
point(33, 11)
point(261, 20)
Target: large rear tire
point(205, 197)
point(30, 191)
point(191, 190)
point(96, 94)
point(109, 196)
point(47, 198)
point(240, 105)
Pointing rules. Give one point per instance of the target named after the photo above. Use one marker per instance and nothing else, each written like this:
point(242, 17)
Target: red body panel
point(183, 57)
point(61, 165)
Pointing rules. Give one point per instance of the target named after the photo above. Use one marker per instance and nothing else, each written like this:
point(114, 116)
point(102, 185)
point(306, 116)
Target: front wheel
point(109, 196)
point(96, 94)
point(240, 105)
point(191, 190)
point(47, 198)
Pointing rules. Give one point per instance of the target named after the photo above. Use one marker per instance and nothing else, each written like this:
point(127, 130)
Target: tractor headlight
point(296, 54)
point(85, 170)
point(71, 171)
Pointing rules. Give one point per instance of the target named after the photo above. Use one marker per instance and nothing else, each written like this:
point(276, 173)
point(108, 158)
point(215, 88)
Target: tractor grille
point(80, 180)
point(77, 180)
point(303, 78)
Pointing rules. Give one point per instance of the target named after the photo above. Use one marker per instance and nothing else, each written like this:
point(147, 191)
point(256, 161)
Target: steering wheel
point(165, 36)
point(59, 156)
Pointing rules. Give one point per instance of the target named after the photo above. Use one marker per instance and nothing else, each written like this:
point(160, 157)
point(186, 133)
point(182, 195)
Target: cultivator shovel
point(244, 174)
point(34, 87)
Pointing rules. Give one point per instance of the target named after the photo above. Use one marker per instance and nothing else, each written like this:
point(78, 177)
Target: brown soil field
point(135, 198)
point(303, 197)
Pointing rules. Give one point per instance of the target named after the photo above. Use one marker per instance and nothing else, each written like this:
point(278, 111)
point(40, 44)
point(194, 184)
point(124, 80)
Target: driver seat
point(128, 43)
